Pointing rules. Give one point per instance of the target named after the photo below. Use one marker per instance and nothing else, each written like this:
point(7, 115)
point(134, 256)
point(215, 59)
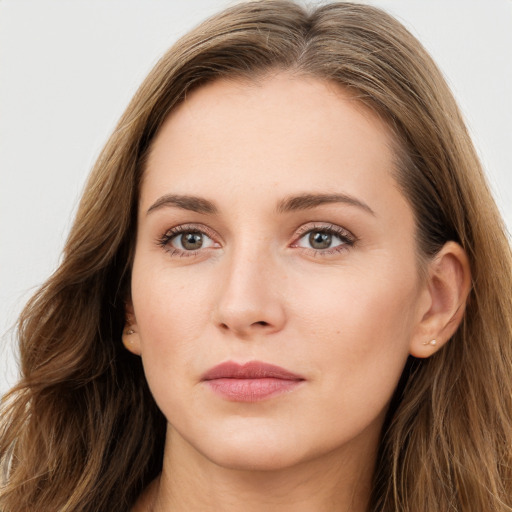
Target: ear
point(447, 287)
point(131, 339)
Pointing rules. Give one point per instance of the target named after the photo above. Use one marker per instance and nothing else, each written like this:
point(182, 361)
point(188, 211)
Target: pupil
point(192, 241)
point(319, 240)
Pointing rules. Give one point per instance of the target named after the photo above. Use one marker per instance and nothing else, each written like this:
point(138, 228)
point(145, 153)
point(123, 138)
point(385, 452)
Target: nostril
point(244, 328)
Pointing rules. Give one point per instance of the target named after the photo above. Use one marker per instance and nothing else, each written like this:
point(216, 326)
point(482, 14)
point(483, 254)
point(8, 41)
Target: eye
point(190, 241)
point(186, 240)
point(320, 240)
point(326, 238)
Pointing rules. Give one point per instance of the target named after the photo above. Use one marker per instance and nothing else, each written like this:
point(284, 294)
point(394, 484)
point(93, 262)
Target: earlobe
point(448, 285)
point(130, 337)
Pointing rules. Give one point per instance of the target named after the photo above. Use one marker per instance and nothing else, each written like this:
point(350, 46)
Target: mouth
point(250, 382)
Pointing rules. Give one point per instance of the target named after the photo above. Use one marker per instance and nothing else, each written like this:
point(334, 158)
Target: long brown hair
point(81, 432)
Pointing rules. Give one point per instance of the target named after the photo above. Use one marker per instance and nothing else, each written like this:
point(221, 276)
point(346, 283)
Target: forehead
point(282, 133)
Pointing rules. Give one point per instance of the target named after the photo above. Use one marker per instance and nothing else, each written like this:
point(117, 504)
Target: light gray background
point(69, 68)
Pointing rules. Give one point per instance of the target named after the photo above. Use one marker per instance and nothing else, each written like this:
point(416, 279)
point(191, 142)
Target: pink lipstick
point(250, 382)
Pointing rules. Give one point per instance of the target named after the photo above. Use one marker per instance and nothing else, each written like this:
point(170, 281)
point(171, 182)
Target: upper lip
point(250, 370)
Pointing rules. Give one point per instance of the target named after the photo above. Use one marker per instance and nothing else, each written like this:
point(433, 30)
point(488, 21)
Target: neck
point(340, 480)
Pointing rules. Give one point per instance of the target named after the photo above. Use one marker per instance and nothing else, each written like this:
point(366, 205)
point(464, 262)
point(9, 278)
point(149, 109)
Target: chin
point(263, 458)
point(250, 450)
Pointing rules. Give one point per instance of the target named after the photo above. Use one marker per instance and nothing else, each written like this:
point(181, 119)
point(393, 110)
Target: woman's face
point(271, 230)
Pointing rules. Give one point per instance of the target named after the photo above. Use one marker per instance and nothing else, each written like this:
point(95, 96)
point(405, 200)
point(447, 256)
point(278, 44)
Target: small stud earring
point(431, 342)
point(130, 331)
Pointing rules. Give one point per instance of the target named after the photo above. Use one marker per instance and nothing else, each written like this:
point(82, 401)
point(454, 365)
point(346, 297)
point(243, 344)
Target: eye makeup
point(187, 240)
point(323, 239)
point(316, 238)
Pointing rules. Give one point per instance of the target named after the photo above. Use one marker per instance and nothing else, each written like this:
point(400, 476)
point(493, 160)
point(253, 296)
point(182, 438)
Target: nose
point(250, 299)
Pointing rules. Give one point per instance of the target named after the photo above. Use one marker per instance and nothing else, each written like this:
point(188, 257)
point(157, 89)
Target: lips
point(250, 382)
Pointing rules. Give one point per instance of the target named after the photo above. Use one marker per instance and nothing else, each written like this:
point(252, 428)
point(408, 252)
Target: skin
point(345, 317)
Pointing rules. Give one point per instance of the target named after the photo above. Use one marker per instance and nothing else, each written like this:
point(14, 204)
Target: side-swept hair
point(81, 431)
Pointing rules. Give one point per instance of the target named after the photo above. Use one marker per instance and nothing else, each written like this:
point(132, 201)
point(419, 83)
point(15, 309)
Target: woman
point(287, 287)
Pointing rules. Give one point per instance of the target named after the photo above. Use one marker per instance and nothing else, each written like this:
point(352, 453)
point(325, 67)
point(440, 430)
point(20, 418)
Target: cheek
point(172, 313)
point(359, 327)
point(167, 300)
point(355, 302)
point(169, 325)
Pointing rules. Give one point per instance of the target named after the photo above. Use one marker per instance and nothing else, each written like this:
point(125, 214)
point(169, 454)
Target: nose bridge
point(249, 299)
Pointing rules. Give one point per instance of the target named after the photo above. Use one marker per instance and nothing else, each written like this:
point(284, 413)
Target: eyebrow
point(308, 201)
point(289, 204)
point(191, 203)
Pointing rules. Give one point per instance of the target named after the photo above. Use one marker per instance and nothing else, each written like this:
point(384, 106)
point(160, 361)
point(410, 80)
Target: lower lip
point(251, 390)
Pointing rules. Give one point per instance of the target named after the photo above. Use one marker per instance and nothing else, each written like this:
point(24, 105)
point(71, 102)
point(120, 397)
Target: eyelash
point(348, 240)
point(165, 239)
